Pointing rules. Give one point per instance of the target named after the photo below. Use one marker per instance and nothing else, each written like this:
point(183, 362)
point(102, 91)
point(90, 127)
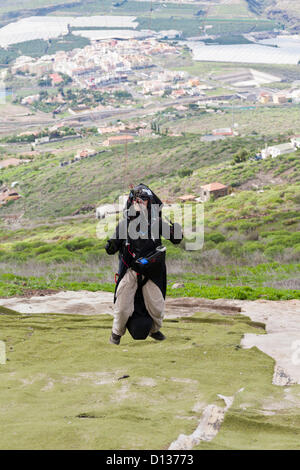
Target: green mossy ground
point(61, 386)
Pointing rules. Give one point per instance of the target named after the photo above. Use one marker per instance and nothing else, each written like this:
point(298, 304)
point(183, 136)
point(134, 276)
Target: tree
point(45, 82)
point(241, 156)
point(44, 95)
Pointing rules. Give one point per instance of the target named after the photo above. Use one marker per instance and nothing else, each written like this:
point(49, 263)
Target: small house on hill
point(214, 190)
point(85, 153)
point(107, 209)
point(296, 141)
point(122, 139)
point(56, 79)
point(265, 97)
point(276, 150)
point(226, 132)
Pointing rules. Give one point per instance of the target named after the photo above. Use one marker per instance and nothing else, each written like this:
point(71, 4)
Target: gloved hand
point(110, 247)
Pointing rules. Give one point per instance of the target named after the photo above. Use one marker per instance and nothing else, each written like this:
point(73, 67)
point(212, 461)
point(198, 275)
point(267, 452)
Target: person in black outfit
point(142, 277)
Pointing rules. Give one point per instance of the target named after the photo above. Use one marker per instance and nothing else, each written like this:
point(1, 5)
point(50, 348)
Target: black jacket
point(146, 243)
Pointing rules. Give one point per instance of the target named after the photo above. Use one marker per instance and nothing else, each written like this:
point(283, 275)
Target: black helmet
point(142, 191)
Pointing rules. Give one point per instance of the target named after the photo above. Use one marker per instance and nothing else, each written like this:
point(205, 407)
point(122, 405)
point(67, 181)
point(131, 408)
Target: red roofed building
point(122, 139)
point(227, 131)
point(85, 154)
point(265, 97)
point(214, 190)
point(56, 78)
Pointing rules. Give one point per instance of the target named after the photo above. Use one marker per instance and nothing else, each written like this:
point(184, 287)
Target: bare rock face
point(282, 341)
point(208, 427)
point(2, 353)
point(281, 378)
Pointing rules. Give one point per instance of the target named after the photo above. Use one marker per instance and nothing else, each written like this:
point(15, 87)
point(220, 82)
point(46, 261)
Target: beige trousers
point(124, 305)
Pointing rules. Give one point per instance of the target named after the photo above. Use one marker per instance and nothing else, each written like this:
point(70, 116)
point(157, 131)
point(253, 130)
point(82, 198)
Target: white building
point(107, 209)
point(276, 150)
point(30, 99)
point(295, 96)
point(296, 141)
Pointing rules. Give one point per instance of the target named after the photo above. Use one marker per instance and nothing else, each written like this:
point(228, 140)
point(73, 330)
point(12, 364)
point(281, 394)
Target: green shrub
point(245, 226)
point(11, 277)
point(55, 257)
point(230, 248)
point(273, 233)
point(272, 251)
point(252, 246)
point(296, 199)
point(209, 245)
point(215, 237)
point(295, 238)
point(229, 226)
point(184, 172)
point(22, 246)
point(43, 249)
point(79, 244)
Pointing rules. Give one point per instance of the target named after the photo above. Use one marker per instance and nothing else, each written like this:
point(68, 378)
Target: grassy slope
point(259, 119)
point(245, 234)
point(49, 190)
point(54, 400)
point(244, 256)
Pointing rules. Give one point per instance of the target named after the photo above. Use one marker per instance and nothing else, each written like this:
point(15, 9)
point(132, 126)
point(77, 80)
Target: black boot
point(158, 336)
point(114, 339)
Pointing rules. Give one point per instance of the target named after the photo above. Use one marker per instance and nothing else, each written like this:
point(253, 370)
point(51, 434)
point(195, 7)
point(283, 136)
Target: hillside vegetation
point(49, 190)
point(251, 236)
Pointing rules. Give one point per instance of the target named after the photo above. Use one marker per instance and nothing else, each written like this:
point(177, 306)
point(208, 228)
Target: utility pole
point(126, 167)
point(150, 19)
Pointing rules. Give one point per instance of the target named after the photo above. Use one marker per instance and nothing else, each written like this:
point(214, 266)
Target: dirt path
point(282, 320)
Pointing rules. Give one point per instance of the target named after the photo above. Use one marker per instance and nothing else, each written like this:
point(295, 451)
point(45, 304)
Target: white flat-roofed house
point(276, 150)
point(21, 64)
point(296, 141)
point(107, 209)
point(265, 153)
point(152, 86)
point(280, 98)
point(295, 96)
point(39, 68)
point(30, 99)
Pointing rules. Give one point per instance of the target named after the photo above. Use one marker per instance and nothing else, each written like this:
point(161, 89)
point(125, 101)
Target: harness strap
point(141, 282)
